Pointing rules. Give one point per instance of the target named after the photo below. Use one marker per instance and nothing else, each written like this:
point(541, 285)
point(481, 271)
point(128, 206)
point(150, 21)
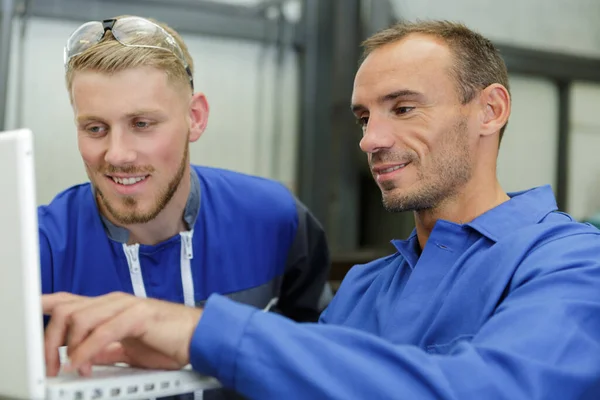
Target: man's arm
point(543, 342)
point(304, 290)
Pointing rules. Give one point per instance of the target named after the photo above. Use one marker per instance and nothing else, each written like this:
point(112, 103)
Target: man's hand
point(117, 327)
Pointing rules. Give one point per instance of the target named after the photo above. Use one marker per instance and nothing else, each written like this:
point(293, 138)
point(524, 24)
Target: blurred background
point(278, 76)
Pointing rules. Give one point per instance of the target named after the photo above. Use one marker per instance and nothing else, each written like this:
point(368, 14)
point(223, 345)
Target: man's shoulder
point(244, 191)
point(65, 204)
point(555, 244)
point(556, 227)
point(570, 239)
point(68, 196)
point(221, 176)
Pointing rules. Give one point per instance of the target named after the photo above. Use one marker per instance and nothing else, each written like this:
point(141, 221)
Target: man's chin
point(392, 192)
point(397, 200)
point(124, 218)
point(121, 212)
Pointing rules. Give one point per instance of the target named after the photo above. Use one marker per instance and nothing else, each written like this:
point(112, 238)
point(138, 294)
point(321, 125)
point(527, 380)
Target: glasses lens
point(83, 38)
point(133, 31)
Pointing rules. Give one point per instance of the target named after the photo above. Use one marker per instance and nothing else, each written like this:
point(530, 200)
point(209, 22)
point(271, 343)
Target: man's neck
point(472, 201)
point(156, 231)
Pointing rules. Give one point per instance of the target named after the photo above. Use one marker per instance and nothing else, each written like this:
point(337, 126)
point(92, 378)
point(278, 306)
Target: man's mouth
point(386, 169)
point(128, 181)
point(391, 169)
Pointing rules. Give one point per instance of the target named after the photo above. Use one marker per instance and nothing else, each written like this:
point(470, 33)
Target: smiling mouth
point(127, 181)
point(391, 169)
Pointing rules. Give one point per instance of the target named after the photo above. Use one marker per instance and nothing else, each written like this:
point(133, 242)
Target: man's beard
point(132, 216)
point(450, 171)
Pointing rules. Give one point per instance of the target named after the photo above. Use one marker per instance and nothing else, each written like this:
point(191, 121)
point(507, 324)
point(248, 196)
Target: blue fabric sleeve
point(46, 272)
point(305, 291)
point(45, 264)
point(215, 354)
point(542, 342)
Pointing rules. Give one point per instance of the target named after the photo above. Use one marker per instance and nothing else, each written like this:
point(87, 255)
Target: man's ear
point(199, 111)
point(495, 103)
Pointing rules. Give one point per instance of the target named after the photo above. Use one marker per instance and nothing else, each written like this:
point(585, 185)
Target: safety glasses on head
point(129, 31)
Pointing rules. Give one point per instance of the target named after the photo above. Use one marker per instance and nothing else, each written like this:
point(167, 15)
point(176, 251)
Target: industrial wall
point(254, 98)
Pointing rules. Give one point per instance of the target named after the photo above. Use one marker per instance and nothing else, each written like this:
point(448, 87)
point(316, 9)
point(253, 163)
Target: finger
point(139, 354)
point(85, 370)
point(56, 331)
point(52, 361)
point(111, 354)
point(93, 314)
point(130, 322)
point(51, 301)
point(136, 354)
point(72, 317)
point(63, 308)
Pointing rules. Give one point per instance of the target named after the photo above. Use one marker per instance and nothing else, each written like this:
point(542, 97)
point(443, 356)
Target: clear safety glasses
point(129, 31)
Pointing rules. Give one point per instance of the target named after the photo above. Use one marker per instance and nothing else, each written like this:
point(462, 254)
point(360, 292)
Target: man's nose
point(377, 136)
point(120, 150)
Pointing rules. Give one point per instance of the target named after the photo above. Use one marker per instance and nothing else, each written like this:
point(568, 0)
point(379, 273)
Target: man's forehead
point(413, 49)
point(124, 90)
point(415, 60)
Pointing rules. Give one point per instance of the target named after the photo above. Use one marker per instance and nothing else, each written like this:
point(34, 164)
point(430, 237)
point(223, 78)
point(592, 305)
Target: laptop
point(22, 366)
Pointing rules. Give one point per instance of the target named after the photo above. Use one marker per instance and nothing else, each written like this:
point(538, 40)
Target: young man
point(494, 295)
point(151, 224)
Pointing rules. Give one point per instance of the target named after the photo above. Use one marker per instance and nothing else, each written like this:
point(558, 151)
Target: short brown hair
point(477, 65)
point(110, 56)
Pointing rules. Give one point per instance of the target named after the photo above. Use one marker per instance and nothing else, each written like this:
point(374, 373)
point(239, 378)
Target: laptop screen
point(22, 371)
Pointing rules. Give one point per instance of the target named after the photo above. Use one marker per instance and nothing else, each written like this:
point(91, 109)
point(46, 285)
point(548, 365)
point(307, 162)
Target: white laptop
point(22, 367)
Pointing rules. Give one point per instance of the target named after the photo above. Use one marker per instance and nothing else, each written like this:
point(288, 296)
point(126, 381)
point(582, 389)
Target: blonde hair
point(109, 56)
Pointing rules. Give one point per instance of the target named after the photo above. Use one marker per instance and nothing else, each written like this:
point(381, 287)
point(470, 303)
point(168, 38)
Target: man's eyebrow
point(141, 112)
point(87, 118)
point(138, 113)
point(403, 93)
point(398, 94)
point(357, 108)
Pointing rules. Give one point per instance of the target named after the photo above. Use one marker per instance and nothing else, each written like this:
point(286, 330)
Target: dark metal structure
point(563, 70)
point(8, 10)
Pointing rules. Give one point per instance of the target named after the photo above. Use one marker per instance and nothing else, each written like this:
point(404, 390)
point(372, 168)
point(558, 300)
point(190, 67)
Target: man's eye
point(363, 121)
point(96, 130)
point(141, 124)
point(402, 110)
